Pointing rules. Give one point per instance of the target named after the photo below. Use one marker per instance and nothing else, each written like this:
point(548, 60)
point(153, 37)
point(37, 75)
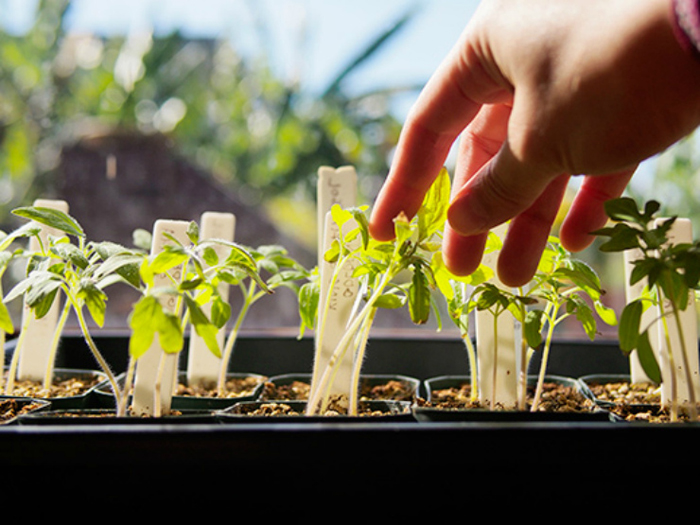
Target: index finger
point(449, 101)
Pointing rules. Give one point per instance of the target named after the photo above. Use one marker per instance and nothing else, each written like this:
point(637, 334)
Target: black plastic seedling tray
point(309, 448)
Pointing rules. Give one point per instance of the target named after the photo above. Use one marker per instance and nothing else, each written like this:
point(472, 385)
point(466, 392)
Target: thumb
point(502, 189)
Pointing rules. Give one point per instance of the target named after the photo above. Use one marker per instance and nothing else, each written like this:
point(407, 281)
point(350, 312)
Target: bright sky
point(334, 31)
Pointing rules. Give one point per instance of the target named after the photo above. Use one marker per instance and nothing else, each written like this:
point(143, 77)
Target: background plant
point(229, 112)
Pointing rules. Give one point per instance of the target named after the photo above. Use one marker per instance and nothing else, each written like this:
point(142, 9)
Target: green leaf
point(647, 359)
point(240, 258)
point(95, 301)
point(203, 327)
point(43, 303)
point(210, 256)
point(622, 237)
point(126, 265)
point(52, 218)
point(71, 253)
point(168, 259)
point(308, 304)
point(628, 329)
point(419, 297)
point(362, 224)
point(389, 301)
point(585, 317)
point(142, 239)
point(623, 209)
point(340, 215)
point(6, 324)
point(532, 327)
point(220, 312)
point(193, 232)
point(26, 230)
point(402, 229)
point(433, 211)
point(142, 322)
point(606, 313)
point(170, 333)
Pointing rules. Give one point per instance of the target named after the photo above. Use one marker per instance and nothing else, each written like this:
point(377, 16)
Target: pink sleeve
point(686, 17)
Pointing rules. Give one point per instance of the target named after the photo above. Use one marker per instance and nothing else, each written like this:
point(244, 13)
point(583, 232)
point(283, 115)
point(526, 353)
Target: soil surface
point(280, 408)
point(73, 386)
point(624, 392)
point(235, 387)
point(555, 398)
point(635, 402)
point(394, 390)
point(11, 408)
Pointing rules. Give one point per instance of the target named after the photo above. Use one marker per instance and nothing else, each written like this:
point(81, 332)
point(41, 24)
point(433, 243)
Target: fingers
point(587, 212)
point(478, 144)
point(462, 255)
point(503, 188)
point(447, 104)
point(527, 235)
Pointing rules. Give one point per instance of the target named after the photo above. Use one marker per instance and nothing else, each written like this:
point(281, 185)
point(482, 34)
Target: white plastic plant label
point(156, 371)
point(34, 354)
point(335, 186)
point(496, 348)
point(339, 301)
point(681, 232)
point(202, 365)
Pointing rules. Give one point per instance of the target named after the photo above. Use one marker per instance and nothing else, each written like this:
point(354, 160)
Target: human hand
point(541, 90)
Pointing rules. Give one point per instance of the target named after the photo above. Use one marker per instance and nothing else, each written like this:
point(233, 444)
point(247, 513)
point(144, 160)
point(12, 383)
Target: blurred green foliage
point(227, 113)
point(674, 182)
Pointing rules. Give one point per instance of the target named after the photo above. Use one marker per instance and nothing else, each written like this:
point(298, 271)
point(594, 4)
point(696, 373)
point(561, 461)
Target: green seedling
point(563, 287)
point(80, 271)
point(487, 297)
point(671, 270)
point(391, 274)
point(275, 269)
point(204, 271)
point(460, 304)
point(255, 272)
